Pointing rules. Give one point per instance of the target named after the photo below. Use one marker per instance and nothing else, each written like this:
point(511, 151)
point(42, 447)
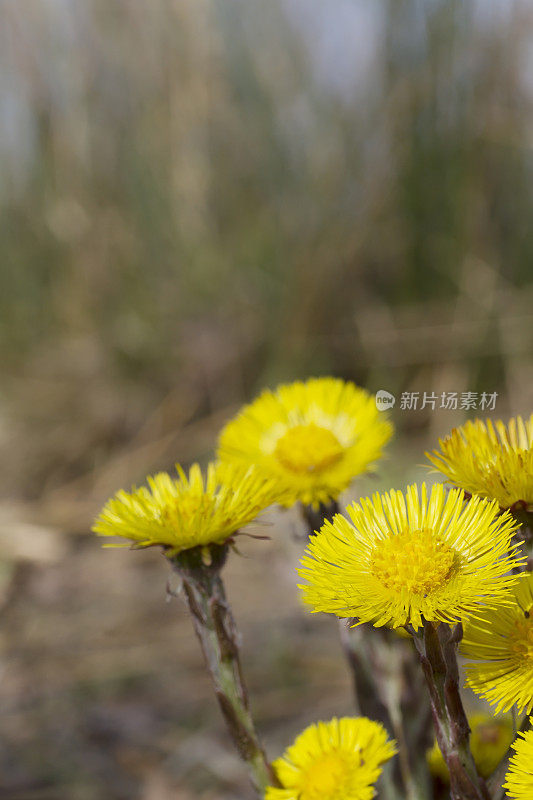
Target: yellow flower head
point(315, 437)
point(336, 760)
point(408, 557)
point(489, 742)
point(494, 461)
point(519, 779)
point(501, 642)
point(188, 511)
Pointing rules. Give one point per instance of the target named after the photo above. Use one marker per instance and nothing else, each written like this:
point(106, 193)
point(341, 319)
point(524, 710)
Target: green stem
point(218, 636)
point(437, 649)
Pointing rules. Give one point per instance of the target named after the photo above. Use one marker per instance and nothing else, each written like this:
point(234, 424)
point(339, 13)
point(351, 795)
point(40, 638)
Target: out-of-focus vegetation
point(197, 198)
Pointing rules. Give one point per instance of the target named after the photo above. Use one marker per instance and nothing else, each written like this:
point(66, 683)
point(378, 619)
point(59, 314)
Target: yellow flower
point(407, 557)
point(336, 760)
point(494, 461)
point(187, 512)
point(489, 742)
point(315, 437)
point(519, 779)
point(501, 642)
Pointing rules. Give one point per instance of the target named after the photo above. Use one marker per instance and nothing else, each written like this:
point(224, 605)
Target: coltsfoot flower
point(491, 460)
point(489, 741)
point(405, 558)
point(313, 436)
point(185, 512)
point(337, 760)
point(519, 779)
point(501, 642)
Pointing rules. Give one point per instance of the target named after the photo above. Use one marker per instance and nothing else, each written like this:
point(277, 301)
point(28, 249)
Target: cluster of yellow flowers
point(303, 443)
point(398, 559)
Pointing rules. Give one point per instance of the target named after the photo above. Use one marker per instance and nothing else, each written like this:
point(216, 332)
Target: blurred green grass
point(188, 171)
point(187, 202)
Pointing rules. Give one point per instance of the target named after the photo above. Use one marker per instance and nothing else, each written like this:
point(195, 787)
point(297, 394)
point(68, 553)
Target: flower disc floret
point(313, 436)
point(500, 644)
point(188, 511)
point(417, 561)
point(404, 558)
point(307, 449)
point(492, 460)
point(337, 760)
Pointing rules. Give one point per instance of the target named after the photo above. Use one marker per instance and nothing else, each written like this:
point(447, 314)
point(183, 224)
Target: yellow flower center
point(521, 640)
point(416, 561)
point(184, 509)
point(327, 778)
point(308, 448)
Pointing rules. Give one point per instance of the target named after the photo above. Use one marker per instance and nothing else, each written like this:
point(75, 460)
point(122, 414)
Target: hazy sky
point(344, 39)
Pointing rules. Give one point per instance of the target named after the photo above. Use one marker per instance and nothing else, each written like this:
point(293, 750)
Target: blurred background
point(199, 198)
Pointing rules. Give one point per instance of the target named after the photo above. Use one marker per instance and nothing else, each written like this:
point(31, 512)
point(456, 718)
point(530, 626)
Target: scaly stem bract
point(314, 518)
point(437, 649)
point(215, 627)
